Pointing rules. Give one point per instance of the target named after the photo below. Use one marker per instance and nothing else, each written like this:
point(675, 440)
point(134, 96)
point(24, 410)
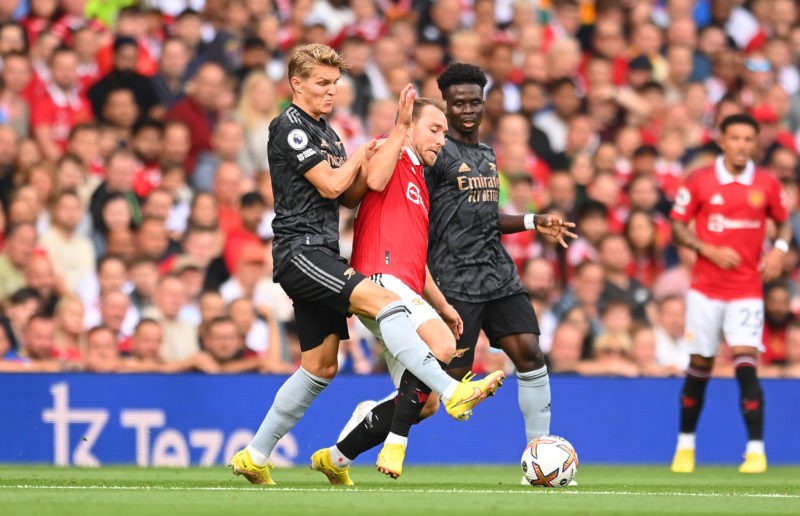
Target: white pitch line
point(573, 492)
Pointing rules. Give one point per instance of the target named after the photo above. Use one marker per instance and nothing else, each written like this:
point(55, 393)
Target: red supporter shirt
point(59, 110)
point(730, 212)
point(391, 232)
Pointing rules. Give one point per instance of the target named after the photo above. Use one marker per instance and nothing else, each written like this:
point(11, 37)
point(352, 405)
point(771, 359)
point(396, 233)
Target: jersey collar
point(414, 159)
point(725, 177)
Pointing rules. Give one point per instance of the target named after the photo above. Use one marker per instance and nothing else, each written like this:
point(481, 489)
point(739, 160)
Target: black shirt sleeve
point(299, 151)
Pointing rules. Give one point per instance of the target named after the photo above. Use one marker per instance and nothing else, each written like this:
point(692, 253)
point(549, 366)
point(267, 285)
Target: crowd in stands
point(136, 196)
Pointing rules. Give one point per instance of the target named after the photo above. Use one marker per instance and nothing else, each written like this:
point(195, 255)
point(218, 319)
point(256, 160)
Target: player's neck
point(298, 101)
point(468, 138)
point(734, 170)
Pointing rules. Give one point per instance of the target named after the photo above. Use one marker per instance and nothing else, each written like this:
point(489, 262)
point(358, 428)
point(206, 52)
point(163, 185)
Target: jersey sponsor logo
point(463, 168)
point(306, 153)
point(682, 200)
point(413, 194)
point(718, 223)
point(717, 200)
point(755, 198)
point(297, 139)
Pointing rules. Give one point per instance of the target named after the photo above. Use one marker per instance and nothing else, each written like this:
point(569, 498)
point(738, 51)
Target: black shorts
point(319, 283)
point(511, 315)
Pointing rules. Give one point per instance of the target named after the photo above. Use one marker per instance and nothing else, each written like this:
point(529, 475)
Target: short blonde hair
point(305, 57)
point(421, 102)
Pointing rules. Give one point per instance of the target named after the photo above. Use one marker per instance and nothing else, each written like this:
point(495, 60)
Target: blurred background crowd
point(136, 195)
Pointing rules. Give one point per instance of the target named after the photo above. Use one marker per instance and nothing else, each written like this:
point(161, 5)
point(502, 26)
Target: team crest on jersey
point(755, 198)
point(297, 139)
point(464, 168)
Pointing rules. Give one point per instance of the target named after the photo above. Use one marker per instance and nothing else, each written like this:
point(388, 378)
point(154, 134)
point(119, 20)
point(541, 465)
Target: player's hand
point(371, 147)
point(405, 105)
point(771, 265)
point(453, 320)
point(554, 227)
point(723, 257)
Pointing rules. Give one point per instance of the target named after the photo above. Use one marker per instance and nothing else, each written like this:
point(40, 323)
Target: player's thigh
point(321, 277)
point(368, 299)
point(703, 324)
point(743, 323)
point(473, 316)
point(419, 311)
point(510, 315)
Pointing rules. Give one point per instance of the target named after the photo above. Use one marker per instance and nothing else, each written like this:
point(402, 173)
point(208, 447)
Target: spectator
point(615, 257)
point(15, 111)
point(641, 234)
point(40, 276)
point(566, 349)
point(121, 169)
point(144, 280)
point(258, 105)
point(227, 147)
point(72, 254)
point(70, 338)
point(672, 348)
point(221, 340)
point(114, 313)
point(612, 357)
point(19, 307)
point(59, 105)
point(102, 353)
point(36, 353)
point(20, 240)
point(170, 79)
point(124, 74)
point(644, 355)
point(261, 334)
point(778, 317)
point(199, 108)
point(591, 224)
point(227, 193)
point(152, 241)
point(538, 278)
point(180, 338)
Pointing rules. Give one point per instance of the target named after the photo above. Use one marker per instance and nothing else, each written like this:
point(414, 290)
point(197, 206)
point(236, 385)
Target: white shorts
point(420, 312)
point(740, 322)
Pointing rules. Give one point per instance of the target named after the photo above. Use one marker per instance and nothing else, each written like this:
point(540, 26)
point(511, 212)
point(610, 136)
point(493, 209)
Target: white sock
point(448, 393)
point(533, 396)
point(258, 458)
point(755, 447)
point(338, 458)
point(396, 439)
point(686, 441)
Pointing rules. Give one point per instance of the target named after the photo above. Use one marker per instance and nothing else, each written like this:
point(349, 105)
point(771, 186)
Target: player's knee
point(524, 352)
point(444, 349)
point(431, 407)
point(327, 371)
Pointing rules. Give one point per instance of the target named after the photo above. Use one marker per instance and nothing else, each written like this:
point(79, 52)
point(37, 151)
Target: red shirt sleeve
point(686, 203)
point(42, 110)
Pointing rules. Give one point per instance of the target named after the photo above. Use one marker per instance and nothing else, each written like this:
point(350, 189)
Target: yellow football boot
point(469, 393)
point(390, 459)
point(754, 463)
point(242, 464)
point(683, 462)
point(321, 461)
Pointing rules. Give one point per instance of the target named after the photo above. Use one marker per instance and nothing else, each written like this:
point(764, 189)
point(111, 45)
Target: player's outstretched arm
point(380, 166)
point(332, 182)
point(544, 224)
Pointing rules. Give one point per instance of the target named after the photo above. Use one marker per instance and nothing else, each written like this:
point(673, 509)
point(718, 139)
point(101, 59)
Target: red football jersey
point(391, 231)
point(61, 111)
point(730, 212)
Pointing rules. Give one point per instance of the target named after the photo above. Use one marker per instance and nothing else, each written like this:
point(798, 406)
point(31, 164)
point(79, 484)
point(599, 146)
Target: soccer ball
point(550, 461)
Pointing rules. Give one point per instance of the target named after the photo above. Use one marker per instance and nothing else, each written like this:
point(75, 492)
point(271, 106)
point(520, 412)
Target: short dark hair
point(739, 119)
point(461, 73)
point(252, 199)
point(24, 295)
point(590, 208)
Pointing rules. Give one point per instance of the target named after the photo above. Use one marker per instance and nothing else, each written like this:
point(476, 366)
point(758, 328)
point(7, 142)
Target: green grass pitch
point(456, 490)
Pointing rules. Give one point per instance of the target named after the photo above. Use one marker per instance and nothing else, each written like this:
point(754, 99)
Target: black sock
point(368, 433)
point(751, 397)
point(692, 398)
point(411, 397)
